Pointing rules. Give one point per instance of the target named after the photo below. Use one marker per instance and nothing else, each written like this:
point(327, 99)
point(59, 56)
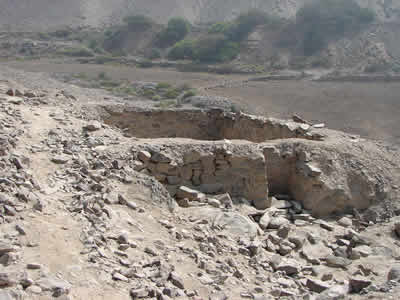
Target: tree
point(138, 22)
point(244, 24)
point(323, 20)
point(176, 30)
point(215, 48)
point(182, 50)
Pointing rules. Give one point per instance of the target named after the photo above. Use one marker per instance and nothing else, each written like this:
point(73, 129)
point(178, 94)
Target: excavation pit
point(250, 157)
point(209, 125)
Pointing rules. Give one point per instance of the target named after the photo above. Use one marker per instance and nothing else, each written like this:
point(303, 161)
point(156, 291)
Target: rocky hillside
point(44, 14)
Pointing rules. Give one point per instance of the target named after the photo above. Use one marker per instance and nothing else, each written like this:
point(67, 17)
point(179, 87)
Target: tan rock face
point(328, 177)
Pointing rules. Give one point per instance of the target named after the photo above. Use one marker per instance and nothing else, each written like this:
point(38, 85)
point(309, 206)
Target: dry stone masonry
point(209, 167)
point(254, 157)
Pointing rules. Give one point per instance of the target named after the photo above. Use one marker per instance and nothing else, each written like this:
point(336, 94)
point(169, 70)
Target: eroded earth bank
point(101, 199)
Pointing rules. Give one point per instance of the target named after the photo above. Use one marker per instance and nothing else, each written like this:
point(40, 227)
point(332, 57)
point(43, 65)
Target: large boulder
point(232, 224)
point(235, 224)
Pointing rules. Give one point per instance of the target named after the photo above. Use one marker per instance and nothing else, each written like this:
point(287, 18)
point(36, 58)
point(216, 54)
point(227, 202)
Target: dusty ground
point(77, 222)
point(121, 72)
point(368, 109)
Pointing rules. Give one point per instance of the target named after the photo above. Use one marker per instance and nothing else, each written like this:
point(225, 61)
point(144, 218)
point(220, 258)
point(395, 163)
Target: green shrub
point(145, 64)
point(44, 36)
point(235, 108)
point(114, 39)
point(77, 52)
point(396, 68)
point(155, 53)
point(211, 48)
point(81, 75)
point(156, 98)
point(189, 93)
point(172, 93)
point(148, 93)
point(298, 62)
point(215, 48)
point(103, 59)
point(163, 86)
point(240, 28)
point(109, 84)
point(377, 67)
point(323, 20)
point(102, 75)
point(116, 53)
point(222, 41)
point(200, 104)
point(125, 90)
point(225, 69)
point(93, 44)
point(175, 31)
point(313, 41)
point(184, 87)
point(182, 50)
point(109, 32)
point(61, 33)
point(138, 22)
point(321, 62)
point(129, 90)
point(220, 27)
point(208, 49)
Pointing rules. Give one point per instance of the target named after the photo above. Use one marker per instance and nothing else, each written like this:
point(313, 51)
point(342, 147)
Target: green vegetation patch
point(215, 48)
point(138, 22)
point(183, 50)
point(324, 20)
point(189, 94)
point(245, 24)
point(176, 30)
point(172, 93)
point(210, 48)
point(222, 41)
point(79, 51)
point(163, 85)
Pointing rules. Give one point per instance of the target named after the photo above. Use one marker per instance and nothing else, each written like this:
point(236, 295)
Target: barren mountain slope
point(43, 14)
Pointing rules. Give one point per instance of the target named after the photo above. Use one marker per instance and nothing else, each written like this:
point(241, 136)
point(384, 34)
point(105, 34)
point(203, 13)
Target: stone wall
point(214, 124)
point(280, 157)
point(327, 178)
point(209, 167)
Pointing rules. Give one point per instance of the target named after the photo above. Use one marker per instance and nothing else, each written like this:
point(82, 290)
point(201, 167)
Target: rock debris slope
point(88, 211)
